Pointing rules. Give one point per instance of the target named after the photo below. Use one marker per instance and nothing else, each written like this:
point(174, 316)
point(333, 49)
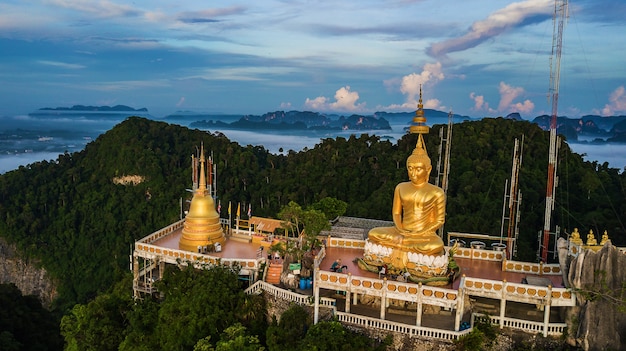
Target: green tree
point(333, 336)
point(197, 303)
point(287, 333)
point(96, 326)
point(140, 332)
point(25, 324)
point(331, 207)
point(292, 216)
point(235, 338)
point(314, 221)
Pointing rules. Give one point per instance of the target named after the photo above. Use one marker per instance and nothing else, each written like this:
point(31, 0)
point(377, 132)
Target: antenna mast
point(443, 176)
point(560, 15)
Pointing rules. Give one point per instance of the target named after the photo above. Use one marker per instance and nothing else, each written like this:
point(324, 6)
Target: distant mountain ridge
point(598, 129)
point(299, 120)
point(603, 129)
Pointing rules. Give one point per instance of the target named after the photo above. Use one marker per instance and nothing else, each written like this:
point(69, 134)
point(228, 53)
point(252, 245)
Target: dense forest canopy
point(69, 214)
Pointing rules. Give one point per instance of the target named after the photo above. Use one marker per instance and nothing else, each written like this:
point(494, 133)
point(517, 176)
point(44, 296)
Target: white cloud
point(209, 15)
point(127, 85)
point(523, 107)
point(513, 15)
point(617, 102)
point(410, 86)
point(434, 104)
point(480, 104)
point(61, 64)
point(102, 8)
point(508, 95)
point(411, 83)
point(345, 100)
point(285, 105)
point(319, 103)
point(180, 102)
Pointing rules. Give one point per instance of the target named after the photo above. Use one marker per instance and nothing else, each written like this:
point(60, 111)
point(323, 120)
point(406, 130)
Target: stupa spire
point(419, 127)
point(202, 185)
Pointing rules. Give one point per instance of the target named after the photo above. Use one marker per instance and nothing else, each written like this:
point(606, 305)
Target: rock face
point(599, 320)
point(30, 279)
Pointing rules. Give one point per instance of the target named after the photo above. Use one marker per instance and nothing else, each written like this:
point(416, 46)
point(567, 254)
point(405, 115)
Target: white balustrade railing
point(162, 232)
point(531, 268)
point(381, 324)
point(319, 257)
point(525, 293)
point(287, 295)
point(388, 288)
point(175, 256)
point(520, 324)
point(479, 254)
point(345, 243)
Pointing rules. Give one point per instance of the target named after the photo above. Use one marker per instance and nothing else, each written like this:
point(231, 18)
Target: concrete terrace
point(521, 295)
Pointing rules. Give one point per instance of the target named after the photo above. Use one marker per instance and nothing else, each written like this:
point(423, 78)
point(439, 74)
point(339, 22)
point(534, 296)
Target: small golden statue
point(591, 239)
point(575, 238)
point(605, 238)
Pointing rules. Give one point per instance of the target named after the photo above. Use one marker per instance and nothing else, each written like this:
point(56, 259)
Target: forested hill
point(79, 220)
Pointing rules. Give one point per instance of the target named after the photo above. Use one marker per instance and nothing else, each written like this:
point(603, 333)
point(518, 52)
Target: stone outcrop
point(598, 322)
point(27, 276)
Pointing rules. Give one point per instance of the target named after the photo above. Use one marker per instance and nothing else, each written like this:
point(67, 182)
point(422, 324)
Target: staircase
point(244, 238)
point(274, 271)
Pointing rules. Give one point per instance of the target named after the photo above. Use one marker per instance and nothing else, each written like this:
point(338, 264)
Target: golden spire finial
point(419, 127)
point(419, 121)
point(202, 187)
point(419, 104)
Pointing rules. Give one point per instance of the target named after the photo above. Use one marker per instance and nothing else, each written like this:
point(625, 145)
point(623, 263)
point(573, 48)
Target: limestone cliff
point(27, 276)
point(599, 320)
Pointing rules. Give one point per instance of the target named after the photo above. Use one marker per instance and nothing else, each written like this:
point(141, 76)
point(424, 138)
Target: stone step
point(241, 238)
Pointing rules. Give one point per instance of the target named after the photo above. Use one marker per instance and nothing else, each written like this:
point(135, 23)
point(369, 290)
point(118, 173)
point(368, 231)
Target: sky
point(474, 57)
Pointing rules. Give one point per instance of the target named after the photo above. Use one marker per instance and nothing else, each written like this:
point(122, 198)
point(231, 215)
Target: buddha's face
point(418, 172)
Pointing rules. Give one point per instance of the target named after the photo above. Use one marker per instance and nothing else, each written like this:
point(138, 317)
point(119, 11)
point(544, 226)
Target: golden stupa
point(202, 229)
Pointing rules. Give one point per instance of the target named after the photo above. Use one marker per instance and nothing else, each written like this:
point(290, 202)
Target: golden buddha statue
point(411, 247)
point(591, 239)
point(605, 238)
point(418, 210)
point(575, 237)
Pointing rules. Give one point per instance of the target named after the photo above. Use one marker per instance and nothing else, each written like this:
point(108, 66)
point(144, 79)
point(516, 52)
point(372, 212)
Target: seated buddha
point(591, 239)
point(418, 210)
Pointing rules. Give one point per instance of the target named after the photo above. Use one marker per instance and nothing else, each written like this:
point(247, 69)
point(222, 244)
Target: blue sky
point(476, 58)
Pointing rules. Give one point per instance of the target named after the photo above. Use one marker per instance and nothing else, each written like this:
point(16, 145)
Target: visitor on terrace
point(337, 267)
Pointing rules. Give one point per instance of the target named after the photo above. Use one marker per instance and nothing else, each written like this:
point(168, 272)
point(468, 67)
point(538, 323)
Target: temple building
point(478, 282)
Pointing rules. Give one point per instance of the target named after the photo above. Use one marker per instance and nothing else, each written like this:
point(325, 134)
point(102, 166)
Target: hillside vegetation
point(75, 217)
